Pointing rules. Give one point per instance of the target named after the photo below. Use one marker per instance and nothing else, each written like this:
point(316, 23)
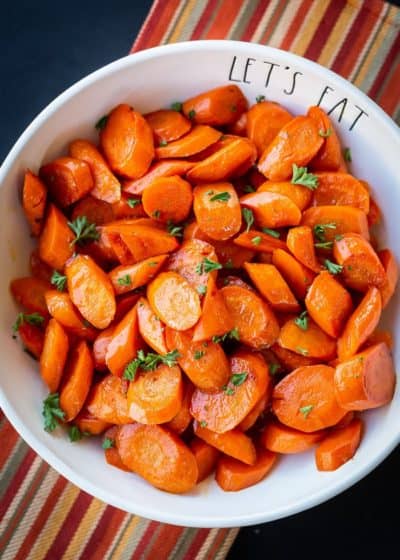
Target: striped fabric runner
point(41, 514)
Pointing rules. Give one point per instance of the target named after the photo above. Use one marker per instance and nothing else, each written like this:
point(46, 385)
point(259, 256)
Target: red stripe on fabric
point(8, 438)
point(226, 15)
point(216, 544)
point(144, 541)
point(102, 537)
point(158, 24)
point(141, 36)
point(390, 96)
point(205, 17)
point(324, 29)
point(255, 20)
point(68, 528)
point(387, 64)
point(165, 542)
point(196, 544)
point(294, 27)
point(41, 519)
point(17, 480)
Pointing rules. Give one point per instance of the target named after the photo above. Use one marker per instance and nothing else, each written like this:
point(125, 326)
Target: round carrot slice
point(217, 210)
point(168, 199)
point(282, 439)
point(232, 475)
point(271, 209)
point(195, 260)
point(107, 400)
point(77, 380)
point(111, 453)
point(264, 121)
point(217, 107)
point(307, 339)
point(54, 355)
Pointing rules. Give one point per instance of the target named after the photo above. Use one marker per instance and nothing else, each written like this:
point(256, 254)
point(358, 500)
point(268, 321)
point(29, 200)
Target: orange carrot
point(54, 355)
point(165, 168)
point(38, 268)
point(206, 457)
point(168, 199)
point(258, 241)
point(167, 125)
point(300, 243)
point(374, 215)
point(392, 274)
point(189, 259)
point(329, 156)
point(295, 273)
point(88, 424)
point(282, 439)
point(291, 360)
point(76, 381)
point(264, 121)
point(30, 293)
point(238, 128)
point(32, 338)
point(217, 210)
point(233, 443)
point(338, 447)
point(345, 421)
point(34, 197)
point(297, 193)
point(150, 327)
point(346, 219)
point(257, 410)
point(129, 277)
point(232, 475)
point(272, 210)
point(125, 304)
point(55, 239)
point(182, 419)
point(111, 453)
point(340, 189)
point(215, 318)
point(128, 207)
point(307, 340)
point(107, 400)
point(61, 308)
point(199, 138)
point(272, 286)
point(67, 179)
point(96, 211)
point(124, 344)
point(100, 346)
point(217, 107)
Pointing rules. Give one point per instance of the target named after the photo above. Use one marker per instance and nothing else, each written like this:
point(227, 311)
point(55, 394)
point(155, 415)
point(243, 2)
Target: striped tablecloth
point(42, 515)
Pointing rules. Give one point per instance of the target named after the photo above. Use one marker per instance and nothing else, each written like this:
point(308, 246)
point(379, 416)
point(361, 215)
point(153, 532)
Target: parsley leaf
point(202, 289)
point(238, 379)
point(324, 245)
point(221, 197)
point(302, 177)
point(248, 217)
point(176, 106)
point(274, 368)
point(207, 266)
point(74, 434)
point(228, 390)
point(347, 155)
point(325, 133)
point(156, 214)
point(302, 351)
point(233, 335)
point(302, 321)
point(133, 202)
point(191, 114)
point(163, 143)
point(198, 354)
point(203, 424)
point(149, 362)
point(101, 123)
point(256, 240)
point(51, 412)
point(271, 232)
point(58, 280)
point(108, 443)
point(32, 318)
point(124, 280)
point(174, 230)
point(305, 410)
point(319, 230)
point(260, 98)
point(229, 264)
point(84, 230)
point(332, 267)
point(249, 189)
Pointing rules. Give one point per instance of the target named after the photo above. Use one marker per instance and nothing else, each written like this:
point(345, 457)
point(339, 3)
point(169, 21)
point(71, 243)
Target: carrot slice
point(67, 179)
point(34, 197)
point(374, 215)
point(346, 219)
point(272, 286)
point(111, 453)
point(217, 107)
point(217, 210)
point(128, 207)
point(182, 419)
point(100, 346)
point(106, 185)
point(76, 381)
point(30, 293)
point(238, 128)
point(345, 421)
point(168, 199)
point(312, 341)
point(107, 400)
point(32, 338)
point(232, 475)
point(206, 457)
point(255, 413)
point(55, 240)
point(297, 193)
point(165, 168)
point(272, 210)
point(129, 277)
point(167, 125)
point(366, 380)
point(204, 363)
point(329, 156)
point(89, 424)
point(291, 360)
point(392, 274)
point(38, 268)
point(215, 318)
point(258, 241)
point(340, 189)
point(282, 439)
point(300, 243)
point(305, 399)
point(233, 443)
point(338, 447)
point(54, 355)
point(224, 410)
point(127, 142)
point(143, 242)
point(264, 121)
point(173, 299)
point(125, 304)
point(150, 327)
point(199, 138)
point(61, 308)
point(189, 259)
point(96, 211)
point(142, 447)
point(124, 344)
point(295, 273)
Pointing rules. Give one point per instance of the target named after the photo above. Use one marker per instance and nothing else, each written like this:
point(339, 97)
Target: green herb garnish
point(198, 354)
point(256, 240)
point(125, 280)
point(271, 232)
point(302, 321)
point(260, 98)
point(324, 245)
point(74, 434)
point(325, 133)
point(176, 106)
point(249, 189)
point(302, 351)
point(133, 202)
point(31, 318)
point(156, 214)
point(221, 197)
point(175, 231)
point(319, 230)
point(84, 231)
point(332, 267)
point(238, 378)
point(347, 155)
point(58, 280)
point(302, 177)
point(149, 362)
point(108, 443)
point(233, 335)
point(305, 410)
point(202, 289)
point(248, 217)
point(203, 424)
point(191, 114)
point(101, 123)
point(163, 143)
point(274, 368)
point(207, 266)
point(51, 412)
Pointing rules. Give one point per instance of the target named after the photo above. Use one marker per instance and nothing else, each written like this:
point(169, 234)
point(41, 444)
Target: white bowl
point(149, 80)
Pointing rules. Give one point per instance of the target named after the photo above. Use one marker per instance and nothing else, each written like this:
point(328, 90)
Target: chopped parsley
point(305, 410)
point(84, 231)
point(207, 266)
point(108, 443)
point(221, 197)
point(175, 231)
point(149, 362)
point(271, 232)
point(332, 267)
point(176, 106)
point(232, 335)
point(302, 321)
point(124, 280)
point(34, 319)
point(249, 189)
point(202, 289)
point(192, 114)
point(133, 202)
point(325, 133)
point(163, 143)
point(248, 217)
point(260, 98)
point(256, 240)
point(101, 123)
point(58, 280)
point(51, 412)
point(347, 155)
point(302, 351)
point(198, 354)
point(302, 177)
point(319, 230)
point(238, 379)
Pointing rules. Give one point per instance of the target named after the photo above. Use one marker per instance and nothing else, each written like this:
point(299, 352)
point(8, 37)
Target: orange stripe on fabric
point(103, 535)
point(324, 29)
point(167, 539)
point(226, 15)
point(156, 25)
point(204, 19)
point(262, 5)
point(390, 96)
point(8, 438)
point(295, 25)
point(142, 35)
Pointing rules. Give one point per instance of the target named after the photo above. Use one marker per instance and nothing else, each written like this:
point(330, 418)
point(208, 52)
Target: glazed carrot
point(312, 341)
point(224, 410)
point(55, 239)
point(361, 324)
point(217, 210)
point(254, 414)
point(155, 397)
point(340, 189)
point(61, 308)
point(89, 424)
point(232, 475)
point(232, 160)
point(345, 421)
point(100, 346)
point(238, 128)
point(232, 280)
point(259, 241)
point(215, 318)
point(38, 268)
point(264, 121)
point(206, 457)
point(106, 185)
point(204, 363)
point(296, 143)
point(199, 138)
point(346, 219)
point(150, 327)
point(300, 243)
point(54, 355)
point(167, 125)
point(129, 277)
point(142, 447)
point(329, 156)
point(271, 285)
point(143, 242)
point(174, 300)
point(67, 179)
point(296, 274)
point(281, 439)
point(34, 197)
point(216, 107)
point(366, 380)
point(124, 344)
point(297, 193)
point(392, 274)
point(111, 453)
point(91, 291)
point(168, 199)
point(127, 142)
point(272, 210)
point(32, 338)
point(338, 447)
point(96, 211)
point(128, 207)
point(182, 419)
point(374, 215)
point(291, 360)
point(30, 293)
point(125, 304)
point(189, 260)
point(233, 443)
point(379, 336)
point(305, 399)
point(328, 303)
point(107, 400)
point(361, 265)
point(256, 323)
point(158, 169)
point(76, 381)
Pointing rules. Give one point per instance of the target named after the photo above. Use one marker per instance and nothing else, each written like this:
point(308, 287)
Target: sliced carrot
point(361, 324)
point(188, 261)
point(232, 280)
point(312, 341)
point(380, 336)
point(32, 338)
point(300, 243)
point(255, 413)
point(106, 185)
point(206, 457)
point(346, 219)
point(224, 410)
point(388, 261)
point(150, 327)
point(294, 272)
point(168, 199)
point(305, 399)
point(264, 121)
point(256, 323)
point(238, 128)
point(281, 439)
point(297, 193)
point(374, 215)
point(182, 419)
point(129, 277)
point(127, 142)
point(100, 346)
point(340, 189)
point(124, 344)
point(233, 443)
point(67, 179)
point(328, 303)
point(345, 421)
point(291, 360)
point(128, 207)
point(217, 210)
point(111, 453)
point(144, 242)
point(76, 381)
point(107, 400)
point(96, 211)
point(272, 210)
point(30, 293)
point(366, 380)
point(215, 318)
point(55, 239)
point(232, 475)
point(258, 241)
point(34, 197)
point(338, 447)
point(38, 268)
point(142, 447)
point(271, 285)
point(296, 143)
point(88, 424)
point(329, 156)
point(199, 138)
point(217, 107)
point(167, 125)
point(125, 304)
point(61, 308)
point(165, 168)
point(54, 355)
point(205, 363)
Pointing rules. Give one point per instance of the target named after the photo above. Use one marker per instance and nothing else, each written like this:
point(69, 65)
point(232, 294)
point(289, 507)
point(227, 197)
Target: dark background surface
point(46, 47)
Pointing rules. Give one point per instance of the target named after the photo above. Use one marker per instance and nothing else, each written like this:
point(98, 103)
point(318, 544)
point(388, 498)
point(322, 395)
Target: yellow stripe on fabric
point(309, 26)
point(182, 23)
point(284, 22)
point(207, 544)
point(52, 526)
point(130, 538)
point(117, 537)
point(172, 23)
point(226, 545)
point(258, 33)
point(84, 530)
point(337, 35)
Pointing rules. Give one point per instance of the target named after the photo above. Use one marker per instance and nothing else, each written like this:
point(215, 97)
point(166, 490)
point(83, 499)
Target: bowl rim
point(146, 509)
